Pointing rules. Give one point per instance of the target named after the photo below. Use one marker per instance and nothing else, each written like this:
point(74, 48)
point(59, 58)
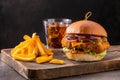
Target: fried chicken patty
point(93, 45)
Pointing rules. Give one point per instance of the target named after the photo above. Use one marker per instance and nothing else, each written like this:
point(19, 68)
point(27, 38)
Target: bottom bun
point(82, 56)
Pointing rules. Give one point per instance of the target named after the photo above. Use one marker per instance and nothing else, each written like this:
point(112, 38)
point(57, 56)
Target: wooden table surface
point(7, 73)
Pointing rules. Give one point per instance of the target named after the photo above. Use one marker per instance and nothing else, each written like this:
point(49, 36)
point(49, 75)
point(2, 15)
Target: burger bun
point(82, 56)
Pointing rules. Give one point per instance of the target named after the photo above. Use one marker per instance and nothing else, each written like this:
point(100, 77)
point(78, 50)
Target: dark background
point(20, 17)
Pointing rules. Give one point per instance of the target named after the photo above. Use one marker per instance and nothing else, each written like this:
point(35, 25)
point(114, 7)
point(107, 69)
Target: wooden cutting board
point(34, 71)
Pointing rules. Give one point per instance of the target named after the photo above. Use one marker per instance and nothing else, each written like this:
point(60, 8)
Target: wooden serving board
point(34, 71)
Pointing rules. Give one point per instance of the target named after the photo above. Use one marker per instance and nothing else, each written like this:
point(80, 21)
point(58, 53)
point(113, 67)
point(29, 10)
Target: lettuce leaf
point(65, 49)
point(93, 53)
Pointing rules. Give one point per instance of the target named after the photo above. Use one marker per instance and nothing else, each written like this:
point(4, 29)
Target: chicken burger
point(85, 40)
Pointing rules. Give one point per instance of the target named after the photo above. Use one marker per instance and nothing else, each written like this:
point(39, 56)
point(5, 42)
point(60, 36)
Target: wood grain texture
point(34, 71)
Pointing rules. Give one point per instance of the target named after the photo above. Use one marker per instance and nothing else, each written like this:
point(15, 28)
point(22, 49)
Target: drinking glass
point(55, 30)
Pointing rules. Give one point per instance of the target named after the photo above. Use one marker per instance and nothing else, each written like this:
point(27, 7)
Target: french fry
point(29, 57)
point(26, 37)
point(33, 35)
point(48, 51)
point(40, 47)
point(33, 49)
point(43, 59)
point(34, 43)
point(36, 50)
point(18, 48)
point(30, 49)
point(56, 61)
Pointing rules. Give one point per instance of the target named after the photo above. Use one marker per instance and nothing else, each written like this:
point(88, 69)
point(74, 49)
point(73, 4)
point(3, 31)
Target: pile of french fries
point(32, 49)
